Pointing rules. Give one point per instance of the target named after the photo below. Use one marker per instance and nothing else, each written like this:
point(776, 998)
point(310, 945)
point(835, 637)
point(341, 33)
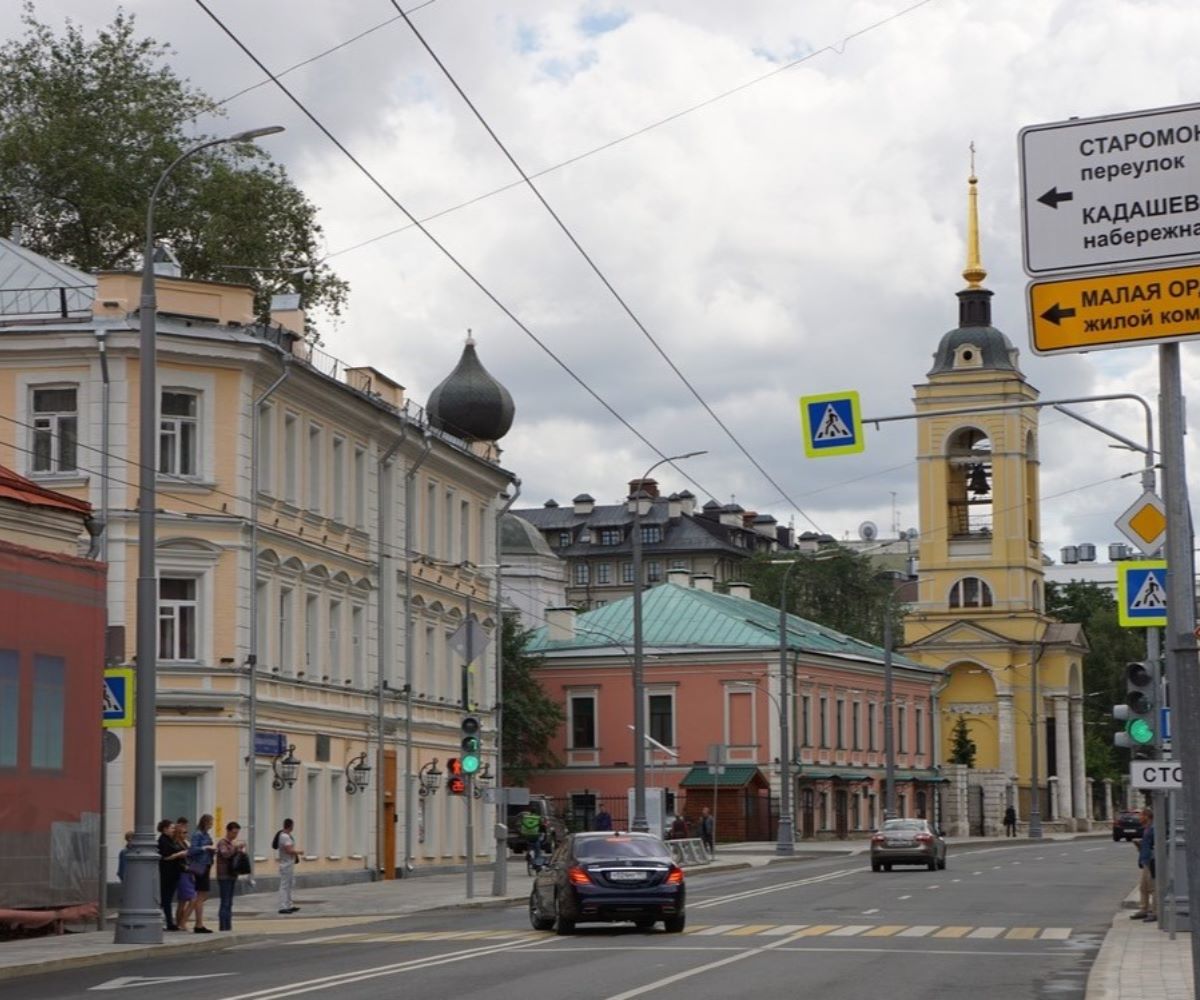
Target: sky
point(777, 190)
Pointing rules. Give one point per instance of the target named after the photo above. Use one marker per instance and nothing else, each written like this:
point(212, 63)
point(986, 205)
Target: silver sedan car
point(907, 842)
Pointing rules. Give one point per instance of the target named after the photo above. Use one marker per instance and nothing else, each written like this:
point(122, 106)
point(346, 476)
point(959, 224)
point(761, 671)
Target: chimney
point(679, 577)
point(731, 515)
point(674, 507)
point(687, 502)
point(166, 263)
point(584, 504)
point(560, 624)
point(703, 581)
point(286, 312)
point(740, 589)
point(648, 486)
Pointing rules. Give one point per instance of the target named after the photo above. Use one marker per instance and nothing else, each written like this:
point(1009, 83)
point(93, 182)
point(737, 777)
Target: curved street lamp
point(429, 778)
point(639, 823)
point(140, 920)
point(286, 768)
point(358, 774)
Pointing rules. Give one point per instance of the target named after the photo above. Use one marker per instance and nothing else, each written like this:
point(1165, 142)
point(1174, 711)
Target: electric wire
point(445, 251)
point(596, 268)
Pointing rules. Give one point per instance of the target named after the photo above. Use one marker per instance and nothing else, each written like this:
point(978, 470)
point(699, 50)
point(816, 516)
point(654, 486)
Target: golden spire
point(974, 272)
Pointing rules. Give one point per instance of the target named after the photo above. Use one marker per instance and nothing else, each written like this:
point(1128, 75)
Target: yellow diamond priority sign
point(1145, 523)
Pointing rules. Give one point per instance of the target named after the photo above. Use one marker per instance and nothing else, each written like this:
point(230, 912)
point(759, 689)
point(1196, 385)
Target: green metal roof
point(684, 617)
point(734, 776)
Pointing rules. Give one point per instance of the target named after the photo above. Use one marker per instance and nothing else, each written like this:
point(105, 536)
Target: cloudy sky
point(801, 231)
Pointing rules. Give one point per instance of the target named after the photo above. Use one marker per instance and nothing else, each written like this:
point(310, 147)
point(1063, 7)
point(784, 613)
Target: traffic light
point(1138, 712)
point(470, 744)
point(456, 782)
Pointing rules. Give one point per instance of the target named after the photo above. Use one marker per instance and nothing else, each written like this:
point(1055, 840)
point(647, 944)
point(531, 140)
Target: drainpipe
point(99, 550)
point(102, 344)
point(500, 872)
point(252, 654)
point(409, 489)
point(383, 620)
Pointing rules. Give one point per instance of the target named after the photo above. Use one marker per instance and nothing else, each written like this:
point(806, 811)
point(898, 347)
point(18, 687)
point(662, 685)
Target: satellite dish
point(868, 531)
point(912, 534)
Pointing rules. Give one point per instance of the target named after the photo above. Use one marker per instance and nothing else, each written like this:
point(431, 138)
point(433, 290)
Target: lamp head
point(255, 133)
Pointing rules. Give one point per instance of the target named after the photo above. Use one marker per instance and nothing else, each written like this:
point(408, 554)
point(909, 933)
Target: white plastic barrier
point(689, 852)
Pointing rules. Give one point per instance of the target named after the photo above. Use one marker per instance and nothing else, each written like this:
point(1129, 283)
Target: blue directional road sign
point(1142, 593)
point(118, 698)
point(832, 424)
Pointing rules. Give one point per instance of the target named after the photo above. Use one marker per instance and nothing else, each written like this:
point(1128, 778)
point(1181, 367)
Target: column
point(1108, 799)
point(1062, 745)
point(1078, 783)
point(1008, 740)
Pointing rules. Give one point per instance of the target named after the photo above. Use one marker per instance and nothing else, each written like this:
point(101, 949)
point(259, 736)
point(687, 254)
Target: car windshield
point(604, 848)
point(904, 824)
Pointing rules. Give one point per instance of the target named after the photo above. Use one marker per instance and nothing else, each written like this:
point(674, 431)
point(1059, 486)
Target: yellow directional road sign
point(1114, 310)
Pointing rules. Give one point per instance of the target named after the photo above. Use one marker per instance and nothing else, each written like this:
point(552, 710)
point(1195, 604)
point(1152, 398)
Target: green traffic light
point(470, 763)
point(1139, 730)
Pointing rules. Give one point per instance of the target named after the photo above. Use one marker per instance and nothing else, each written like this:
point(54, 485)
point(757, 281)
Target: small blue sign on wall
point(269, 744)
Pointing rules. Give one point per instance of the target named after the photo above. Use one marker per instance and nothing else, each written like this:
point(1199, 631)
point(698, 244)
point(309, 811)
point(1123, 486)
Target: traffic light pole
point(469, 799)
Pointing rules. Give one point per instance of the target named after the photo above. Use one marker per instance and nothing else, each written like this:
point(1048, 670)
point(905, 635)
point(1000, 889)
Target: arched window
point(969, 483)
point(1031, 488)
point(1037, 596)
point(970, 592)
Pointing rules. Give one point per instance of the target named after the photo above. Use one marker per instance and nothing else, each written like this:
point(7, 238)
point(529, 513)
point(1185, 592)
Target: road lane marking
point(750, 929)
point(1088, 850)
point(867, 913)
point(905, 897)
point(956, 880)
point(850, 930)
point(952, 932)
point(933, 887)
point(976, 873)
point(885, 930)
point(919, 930)
point(986, 932)
point(1021, 934)
point(762, 891)
point(782, 929)
point(718, 929)
point(1056, 933)
point(817, 929)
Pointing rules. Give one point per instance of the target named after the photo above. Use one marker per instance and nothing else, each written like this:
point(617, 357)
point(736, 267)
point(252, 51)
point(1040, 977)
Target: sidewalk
point(325, 907)
point(1139, 961)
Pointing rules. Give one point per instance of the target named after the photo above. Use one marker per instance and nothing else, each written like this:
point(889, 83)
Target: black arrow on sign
point(1054, 196)
point(1055, 314)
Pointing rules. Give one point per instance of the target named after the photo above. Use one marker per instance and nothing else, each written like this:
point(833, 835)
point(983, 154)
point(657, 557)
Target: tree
point(86, 129)
point(530, 719)
point(962, 747)
point(1111, 646)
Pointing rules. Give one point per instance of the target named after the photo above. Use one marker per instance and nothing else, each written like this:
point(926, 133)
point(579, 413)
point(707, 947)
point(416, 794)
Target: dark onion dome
point(584, 498)
point(469, 403)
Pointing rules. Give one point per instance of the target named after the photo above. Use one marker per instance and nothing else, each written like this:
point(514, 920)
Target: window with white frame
point(901, 729)
point(312, 648)
point(653, 571)
point(970, 592)
point(179, 433)
point(581, 709)
point(918, 723)
point(448, 524)
point(263, 611)
point(333, 668)
point(55, 429)
point(464, 529)
point(564, 539)
point(315, 470)
point(603, 573)
point(358, 629)
point(266, 449)
point(291, 458)
point(611, 536)
point(581, 574)
point(823, 720)
point(431, 652)
point(840, 724)
point(805, 720)
point(287, 620)
point(337, 823)
point(313, 814)
point(661, 715)
point(871, 728)
point(339, 480)
point(855, 725)
point(360, 487)
point(627, 572)
point(431, 493)
point(177, 618)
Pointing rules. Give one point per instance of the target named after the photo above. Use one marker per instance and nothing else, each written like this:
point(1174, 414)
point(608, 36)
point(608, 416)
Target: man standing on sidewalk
point(1145, 844)
point(285, 843)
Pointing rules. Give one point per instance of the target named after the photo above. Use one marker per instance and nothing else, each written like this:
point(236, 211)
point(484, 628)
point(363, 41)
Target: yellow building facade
point(1014, 675)
point(319, 541)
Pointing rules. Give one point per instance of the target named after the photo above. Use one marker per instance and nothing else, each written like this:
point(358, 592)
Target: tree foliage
point(838, 588)
point(87, 128)
point(1111, 647)
point(530, 718)
point(962, 747)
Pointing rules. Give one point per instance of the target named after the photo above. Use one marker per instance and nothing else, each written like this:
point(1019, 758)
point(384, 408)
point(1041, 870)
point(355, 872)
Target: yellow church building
point(1014, 674)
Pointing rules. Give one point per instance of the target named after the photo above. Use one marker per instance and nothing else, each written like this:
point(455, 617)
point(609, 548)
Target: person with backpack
point(232, 861)
point(533, 829)
point(285, 843)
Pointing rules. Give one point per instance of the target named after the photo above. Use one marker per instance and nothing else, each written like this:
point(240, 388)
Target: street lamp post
point(639, 823)
point(786, 843)
point(1035, 798)
point(889, 733)
point(140, 919)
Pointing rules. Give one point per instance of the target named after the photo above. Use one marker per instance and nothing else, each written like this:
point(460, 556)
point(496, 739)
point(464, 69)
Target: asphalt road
point(1002, 922)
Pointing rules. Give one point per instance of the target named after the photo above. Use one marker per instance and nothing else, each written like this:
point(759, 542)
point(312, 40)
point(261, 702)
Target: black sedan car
point(608, 877)
point(1127, 825)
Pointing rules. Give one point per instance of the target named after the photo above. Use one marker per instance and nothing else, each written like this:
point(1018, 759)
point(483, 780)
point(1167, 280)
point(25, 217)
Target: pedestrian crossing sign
point(832, 424)
point(1142, 593)
point(118, 698)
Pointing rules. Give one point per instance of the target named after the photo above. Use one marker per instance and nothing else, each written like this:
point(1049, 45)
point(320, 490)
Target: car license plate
point(627, 876)
point(899, 843)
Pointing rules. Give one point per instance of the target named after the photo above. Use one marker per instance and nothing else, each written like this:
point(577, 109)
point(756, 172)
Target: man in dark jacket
point(1145, 842)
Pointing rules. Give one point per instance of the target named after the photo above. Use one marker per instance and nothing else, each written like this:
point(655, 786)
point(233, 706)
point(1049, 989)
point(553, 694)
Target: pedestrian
point(123, 854)
point(706, 829)
point(169, 856)
point(200, 859)
point(231, 855)
point(679, 830)
point(185, 888)
point(288, 855)
point(1010, 822)
point(1145, 842)
point(603, 820)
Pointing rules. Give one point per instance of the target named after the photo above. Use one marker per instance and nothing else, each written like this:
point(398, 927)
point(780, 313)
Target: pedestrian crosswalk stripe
point(986, 932)
point(952, 932)
point(887, 930)
point(850, 930)
point(1021, 934)
point(817, 930)
point(781, 929)
point(1056, 933)
point(918, 930)
point(719, 929)
point(750, 929)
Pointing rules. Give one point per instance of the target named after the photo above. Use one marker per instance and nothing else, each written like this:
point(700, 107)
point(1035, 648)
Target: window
point(286, 617)
point(337, 823)
point(339, 479)
point(918, 720)
point(603, 573)
point(901, 729)
point(823, 721)
point(611, 536)
point(564, 539)
point(581, 574)
point(840, 724)
point(662, 721)
point(450, 553)
point(431, 492)
point(313, 817)
point(855, 720)
point(265, 481)
point(262, 621)
point(178, 452)
point(583, 722)
point(333, 668)
point(314, 468)
point(653, 571)
point(970, 592)
point(291, 459)
point(627, 572)
point(871, 745)
point(177, 618)
point(55, 429)
point(312, 652)
point(359, 640)
point(360, 488)
point(430, 661)
point(464, 528)
point(805, 721)
point(651, 533)
point(49, 701)
point(10, 695)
